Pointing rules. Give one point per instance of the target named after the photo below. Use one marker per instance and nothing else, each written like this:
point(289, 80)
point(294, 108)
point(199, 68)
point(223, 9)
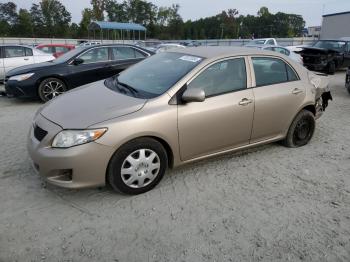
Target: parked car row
point(80, 66)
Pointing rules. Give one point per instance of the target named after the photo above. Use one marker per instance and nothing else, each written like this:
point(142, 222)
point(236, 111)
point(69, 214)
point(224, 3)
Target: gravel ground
point(265, 204)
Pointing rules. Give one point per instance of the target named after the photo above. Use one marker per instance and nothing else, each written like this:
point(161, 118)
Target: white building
point(336, 25)
point(314, 31)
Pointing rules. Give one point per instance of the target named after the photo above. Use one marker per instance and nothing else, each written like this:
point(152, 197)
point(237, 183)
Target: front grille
point(39, 133)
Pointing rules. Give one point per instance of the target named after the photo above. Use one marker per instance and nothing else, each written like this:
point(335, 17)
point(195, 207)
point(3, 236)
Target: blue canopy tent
point(129, 28)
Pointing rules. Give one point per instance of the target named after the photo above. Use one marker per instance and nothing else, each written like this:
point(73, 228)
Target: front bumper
point(76, 167)
point(25, 89)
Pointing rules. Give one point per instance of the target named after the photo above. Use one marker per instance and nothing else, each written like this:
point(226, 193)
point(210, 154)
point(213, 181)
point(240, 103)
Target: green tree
point(56, 18)
point(24, 25)
point(86, 19)
point(98, 9)
point(116, 12)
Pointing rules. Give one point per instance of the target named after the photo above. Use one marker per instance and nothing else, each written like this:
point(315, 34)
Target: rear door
point(15, 56)
point(94, 67)
point(278, 93)
point(123, 57)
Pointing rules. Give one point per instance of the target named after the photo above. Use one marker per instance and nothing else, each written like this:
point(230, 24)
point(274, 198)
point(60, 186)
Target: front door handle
point(245, 101)
point(297, 91)
point(26, 59)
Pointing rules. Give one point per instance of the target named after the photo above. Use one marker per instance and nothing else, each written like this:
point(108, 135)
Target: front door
point(93, 68)
point(278, 94)
point(224, 120)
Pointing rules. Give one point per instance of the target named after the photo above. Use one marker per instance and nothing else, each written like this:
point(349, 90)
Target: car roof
point(70, 45)
point(16, 45)
point(222, 51)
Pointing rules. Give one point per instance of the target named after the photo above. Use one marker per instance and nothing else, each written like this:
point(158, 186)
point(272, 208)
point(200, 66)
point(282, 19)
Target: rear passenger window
point(269, 71)
point(121, 53)
point(14, 51)
point(222, 77)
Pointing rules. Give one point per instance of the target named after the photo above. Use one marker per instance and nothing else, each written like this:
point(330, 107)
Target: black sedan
point(78, 67)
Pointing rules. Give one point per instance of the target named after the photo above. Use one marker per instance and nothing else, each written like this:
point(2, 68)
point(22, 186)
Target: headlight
point(69, 138)
point(21, 77)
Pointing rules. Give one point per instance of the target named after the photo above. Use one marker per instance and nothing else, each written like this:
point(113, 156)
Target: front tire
point(138, 166)
point(50, 88)
point(301, 130)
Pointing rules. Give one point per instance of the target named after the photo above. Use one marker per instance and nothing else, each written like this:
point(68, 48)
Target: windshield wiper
point(124, 86)
point(130, 88)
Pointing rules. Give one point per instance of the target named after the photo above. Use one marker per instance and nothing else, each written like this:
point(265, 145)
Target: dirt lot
point(266, 204)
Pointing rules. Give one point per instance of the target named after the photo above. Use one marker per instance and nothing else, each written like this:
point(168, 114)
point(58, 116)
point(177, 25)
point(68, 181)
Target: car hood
point(30, 68)
point(89, 105)
point(316, 51)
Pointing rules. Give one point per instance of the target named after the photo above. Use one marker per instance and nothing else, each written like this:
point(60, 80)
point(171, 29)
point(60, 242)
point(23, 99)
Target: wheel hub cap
point(140, 168)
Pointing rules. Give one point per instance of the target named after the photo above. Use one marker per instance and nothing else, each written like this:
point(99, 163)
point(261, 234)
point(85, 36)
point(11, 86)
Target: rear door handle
point(26, 58)
point(245, 101)
point(297, 91)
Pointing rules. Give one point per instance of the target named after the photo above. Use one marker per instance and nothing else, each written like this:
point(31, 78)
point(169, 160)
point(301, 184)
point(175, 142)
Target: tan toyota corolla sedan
point(173, 108)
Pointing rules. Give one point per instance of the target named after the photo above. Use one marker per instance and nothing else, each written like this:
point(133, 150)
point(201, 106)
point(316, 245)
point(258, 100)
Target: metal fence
point(208, 42)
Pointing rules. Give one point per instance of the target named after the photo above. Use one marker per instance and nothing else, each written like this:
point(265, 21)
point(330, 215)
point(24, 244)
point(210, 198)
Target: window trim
point(247, 68)
point(254, 85)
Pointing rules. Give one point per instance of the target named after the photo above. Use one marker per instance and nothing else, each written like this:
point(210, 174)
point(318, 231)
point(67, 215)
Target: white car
point(13, 56)
point(280, 49)
point(89, 43)
point(263, 41)
point(167, 47)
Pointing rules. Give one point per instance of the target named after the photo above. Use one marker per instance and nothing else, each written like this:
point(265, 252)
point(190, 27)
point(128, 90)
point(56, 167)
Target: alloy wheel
point(52, 89)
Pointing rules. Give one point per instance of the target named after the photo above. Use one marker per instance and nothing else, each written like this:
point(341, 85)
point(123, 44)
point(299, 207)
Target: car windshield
point(332, 45)
point(155, 75)
point(67, 56)
point(257, 42)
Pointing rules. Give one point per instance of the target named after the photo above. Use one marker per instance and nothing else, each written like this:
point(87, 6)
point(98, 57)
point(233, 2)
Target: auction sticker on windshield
point(189, 58)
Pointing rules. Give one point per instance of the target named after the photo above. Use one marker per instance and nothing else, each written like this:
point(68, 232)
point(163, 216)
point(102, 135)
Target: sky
point(311, 10)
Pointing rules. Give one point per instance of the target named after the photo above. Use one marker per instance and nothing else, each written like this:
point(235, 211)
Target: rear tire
point(50, 88)
point(301, 130)
point(138, 166)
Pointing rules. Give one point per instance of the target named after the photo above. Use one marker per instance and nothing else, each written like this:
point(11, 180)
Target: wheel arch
point(38, 82)
point(310, 108)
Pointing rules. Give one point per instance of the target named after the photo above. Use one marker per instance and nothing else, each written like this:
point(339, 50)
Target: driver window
point(223, 77)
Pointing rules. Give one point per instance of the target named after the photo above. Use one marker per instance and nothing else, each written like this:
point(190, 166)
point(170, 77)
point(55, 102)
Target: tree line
point(50, 18)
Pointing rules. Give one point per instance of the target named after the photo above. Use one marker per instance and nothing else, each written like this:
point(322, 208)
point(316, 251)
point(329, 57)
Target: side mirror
point(193, 95)
point(78, 61)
